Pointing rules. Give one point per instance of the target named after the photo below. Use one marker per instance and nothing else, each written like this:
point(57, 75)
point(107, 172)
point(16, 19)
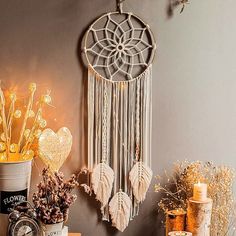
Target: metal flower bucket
point(14, 187)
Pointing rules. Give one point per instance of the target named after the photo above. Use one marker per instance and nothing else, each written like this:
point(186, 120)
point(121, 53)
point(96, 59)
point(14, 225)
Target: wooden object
point(75, 234)
point(199, 217)
point(175, 220)
point(179, 233)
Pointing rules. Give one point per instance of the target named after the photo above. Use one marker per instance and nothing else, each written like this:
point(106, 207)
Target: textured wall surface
point(194, 84)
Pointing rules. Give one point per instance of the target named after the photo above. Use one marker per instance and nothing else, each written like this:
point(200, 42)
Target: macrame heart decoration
point(140, 177)
point(54, 148)
point(102, 182)
point(120, 208)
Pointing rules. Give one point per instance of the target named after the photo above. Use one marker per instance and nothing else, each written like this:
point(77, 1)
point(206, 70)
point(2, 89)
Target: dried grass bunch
point(54, 197)
point(220, 179)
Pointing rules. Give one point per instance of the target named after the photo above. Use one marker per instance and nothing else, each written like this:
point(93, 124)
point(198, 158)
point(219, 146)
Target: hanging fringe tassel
point(120, 143)
point(102, 176)
point(119, 208)
point(102, 182)
point(141, 175)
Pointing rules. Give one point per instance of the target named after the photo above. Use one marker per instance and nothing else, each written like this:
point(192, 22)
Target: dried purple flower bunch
point(54, 197)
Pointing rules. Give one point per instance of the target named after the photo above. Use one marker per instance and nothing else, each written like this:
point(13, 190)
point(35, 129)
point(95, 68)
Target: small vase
point(53, 229)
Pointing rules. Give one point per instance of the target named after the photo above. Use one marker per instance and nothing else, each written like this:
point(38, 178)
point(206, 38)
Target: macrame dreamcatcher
point(119, 48)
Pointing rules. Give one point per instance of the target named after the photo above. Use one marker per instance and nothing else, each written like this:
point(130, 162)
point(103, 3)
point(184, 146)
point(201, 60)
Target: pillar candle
point(200, 192)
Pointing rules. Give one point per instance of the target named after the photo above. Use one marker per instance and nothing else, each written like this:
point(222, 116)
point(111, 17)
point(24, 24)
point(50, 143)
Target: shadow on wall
point(152, 222)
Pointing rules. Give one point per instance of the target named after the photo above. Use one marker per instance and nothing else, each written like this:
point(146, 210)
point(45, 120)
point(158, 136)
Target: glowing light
point(3, 137)
point(43, 123)
point(47, 99)
point(13, 148)
point(32, 87)
point(17, 114)
point(31, 114)
point(12, 96)
point(27, 133)
point(2, 147)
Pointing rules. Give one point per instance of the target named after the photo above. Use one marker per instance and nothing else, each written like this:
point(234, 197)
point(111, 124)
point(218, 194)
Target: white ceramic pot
point(14, 187)
point(53, 229)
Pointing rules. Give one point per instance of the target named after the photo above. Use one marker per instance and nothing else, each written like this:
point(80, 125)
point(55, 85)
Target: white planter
point(14, 187)
point(53, 229)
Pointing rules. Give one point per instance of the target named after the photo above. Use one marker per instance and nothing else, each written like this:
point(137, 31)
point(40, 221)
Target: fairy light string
point(21, 150)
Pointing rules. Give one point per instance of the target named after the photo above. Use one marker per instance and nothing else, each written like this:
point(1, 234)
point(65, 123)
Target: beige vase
point(53, 229)
point(14, 187)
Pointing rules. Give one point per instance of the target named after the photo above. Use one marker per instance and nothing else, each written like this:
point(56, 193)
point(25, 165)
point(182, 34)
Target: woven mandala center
point(119, 46)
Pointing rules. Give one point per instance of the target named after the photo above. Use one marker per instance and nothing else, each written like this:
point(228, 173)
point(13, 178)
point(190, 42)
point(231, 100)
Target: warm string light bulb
point(42, 123)
point(32, 87)
point(12, 97)
point(17, 114)
point(47, 99)
point(31, 114)
point(2, 147)
point(3, 137)
point(13, 148)
point(27, 133)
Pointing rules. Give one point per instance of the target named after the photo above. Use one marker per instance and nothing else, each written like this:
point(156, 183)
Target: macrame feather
point(102, 182)
point(120, 208)
point(140, 177)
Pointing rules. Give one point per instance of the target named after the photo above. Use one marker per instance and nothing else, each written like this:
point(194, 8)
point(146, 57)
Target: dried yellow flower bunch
point(179, 188)
point(32, 125)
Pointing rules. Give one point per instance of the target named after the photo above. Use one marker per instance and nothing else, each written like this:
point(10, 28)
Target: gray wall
point(194, 84)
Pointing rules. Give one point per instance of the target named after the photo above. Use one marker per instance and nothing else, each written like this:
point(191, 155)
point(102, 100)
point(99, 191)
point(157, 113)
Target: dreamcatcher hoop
point(119, 46)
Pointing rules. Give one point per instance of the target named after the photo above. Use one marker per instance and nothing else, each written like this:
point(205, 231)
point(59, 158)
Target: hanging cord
point(137, 139)
point(121, 133)
point(119, 4)
point(104, 125)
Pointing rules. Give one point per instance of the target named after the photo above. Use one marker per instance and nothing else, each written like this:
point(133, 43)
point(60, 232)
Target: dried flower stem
point(30, 138)
point(29, 108)
point(10, 118)
point(4, 121)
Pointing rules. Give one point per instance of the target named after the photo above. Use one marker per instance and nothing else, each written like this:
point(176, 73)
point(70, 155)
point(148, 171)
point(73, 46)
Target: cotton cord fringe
point(119, 137)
